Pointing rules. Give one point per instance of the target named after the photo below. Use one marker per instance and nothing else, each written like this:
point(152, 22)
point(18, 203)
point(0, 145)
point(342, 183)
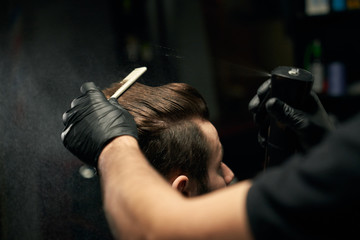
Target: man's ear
point(181, 183)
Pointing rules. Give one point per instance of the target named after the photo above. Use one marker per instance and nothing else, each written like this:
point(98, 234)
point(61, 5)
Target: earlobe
point(181, 183)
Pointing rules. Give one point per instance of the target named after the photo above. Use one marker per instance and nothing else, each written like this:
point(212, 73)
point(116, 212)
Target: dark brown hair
point(168, 135)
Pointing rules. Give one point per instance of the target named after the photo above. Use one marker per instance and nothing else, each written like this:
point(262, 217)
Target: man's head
point(176, 136)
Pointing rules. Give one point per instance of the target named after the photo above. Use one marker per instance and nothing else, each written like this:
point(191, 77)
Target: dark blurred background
point(223, 48)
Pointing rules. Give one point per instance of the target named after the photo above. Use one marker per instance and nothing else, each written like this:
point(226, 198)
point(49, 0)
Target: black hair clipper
point(292, 86)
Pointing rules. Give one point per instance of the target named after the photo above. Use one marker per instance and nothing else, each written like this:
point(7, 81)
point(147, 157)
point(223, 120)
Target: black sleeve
point(316, 196)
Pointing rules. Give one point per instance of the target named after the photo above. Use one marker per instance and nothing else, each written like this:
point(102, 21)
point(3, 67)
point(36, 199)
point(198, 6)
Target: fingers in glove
point(77, 105)
point(72, 116)
point(261, 95)
point(254, 104)
point(91, 95)
point(65, 132)
point(88, 86)
point(115, 103)
point(257, 104)
point(79, 101)
point(286, 115)
point(264, 89)
point(259, 114)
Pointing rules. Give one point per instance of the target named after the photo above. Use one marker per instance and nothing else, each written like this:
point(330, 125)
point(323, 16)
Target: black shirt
point(313, 196)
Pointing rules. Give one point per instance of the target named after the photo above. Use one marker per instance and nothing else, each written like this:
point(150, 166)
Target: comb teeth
point(128, 81)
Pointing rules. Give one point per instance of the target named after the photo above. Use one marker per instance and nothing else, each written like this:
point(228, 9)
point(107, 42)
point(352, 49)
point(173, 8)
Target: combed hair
point(169, 136)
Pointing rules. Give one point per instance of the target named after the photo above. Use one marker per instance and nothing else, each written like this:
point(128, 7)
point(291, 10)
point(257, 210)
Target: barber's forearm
point(140, 204)
point(118, 147)
point(127, 179)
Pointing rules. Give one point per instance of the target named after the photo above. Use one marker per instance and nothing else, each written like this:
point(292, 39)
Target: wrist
point(119, 145)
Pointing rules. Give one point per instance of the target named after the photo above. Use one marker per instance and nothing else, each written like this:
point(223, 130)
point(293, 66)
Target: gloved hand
point(92, 122)
point(310, 124)
point(260, 115)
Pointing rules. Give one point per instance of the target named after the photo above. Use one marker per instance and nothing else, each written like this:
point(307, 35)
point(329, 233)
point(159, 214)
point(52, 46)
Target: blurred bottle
point(338, 5)
point(317, 7)
point(353, 4)
point(336, 79)
point(313, 62)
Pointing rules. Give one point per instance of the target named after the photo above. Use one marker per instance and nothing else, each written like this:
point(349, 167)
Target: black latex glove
point(92, 122)
point(310, 124)
point(260, 115)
